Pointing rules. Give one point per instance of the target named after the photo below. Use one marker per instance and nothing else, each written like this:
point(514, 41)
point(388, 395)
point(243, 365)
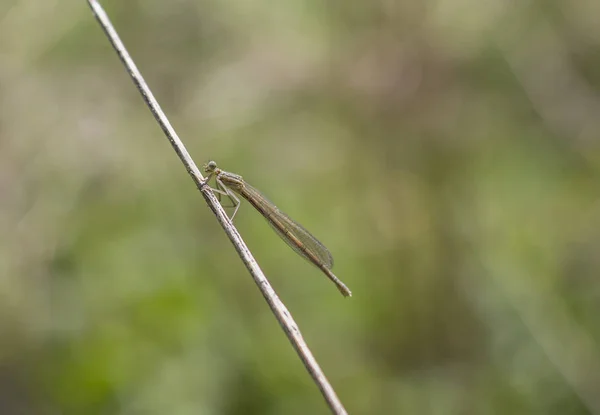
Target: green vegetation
point(446, 153)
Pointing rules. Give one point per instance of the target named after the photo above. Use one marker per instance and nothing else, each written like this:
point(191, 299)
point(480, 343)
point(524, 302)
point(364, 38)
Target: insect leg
point(227, 192)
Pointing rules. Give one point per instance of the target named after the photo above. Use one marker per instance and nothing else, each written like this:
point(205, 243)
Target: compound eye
point(211, 166)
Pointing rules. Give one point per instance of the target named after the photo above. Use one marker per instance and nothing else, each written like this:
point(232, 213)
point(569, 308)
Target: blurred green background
point(447, 152)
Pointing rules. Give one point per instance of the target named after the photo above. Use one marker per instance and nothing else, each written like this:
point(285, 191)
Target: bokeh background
point(446, 151)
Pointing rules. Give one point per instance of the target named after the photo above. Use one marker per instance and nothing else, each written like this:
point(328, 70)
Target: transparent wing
point(297, 230)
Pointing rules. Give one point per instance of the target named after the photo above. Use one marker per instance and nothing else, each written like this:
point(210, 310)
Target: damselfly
point(290, 231)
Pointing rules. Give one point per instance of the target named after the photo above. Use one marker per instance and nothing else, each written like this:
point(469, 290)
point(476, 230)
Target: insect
point(294, 234)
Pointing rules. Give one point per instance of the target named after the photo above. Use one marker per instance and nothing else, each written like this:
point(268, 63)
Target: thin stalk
point(281, 313)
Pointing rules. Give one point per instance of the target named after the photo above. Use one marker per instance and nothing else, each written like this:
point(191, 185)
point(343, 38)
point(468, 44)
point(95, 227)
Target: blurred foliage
point(447, 152)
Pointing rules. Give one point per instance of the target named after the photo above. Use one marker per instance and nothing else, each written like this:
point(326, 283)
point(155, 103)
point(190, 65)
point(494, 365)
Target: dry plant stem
point(281, 313)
